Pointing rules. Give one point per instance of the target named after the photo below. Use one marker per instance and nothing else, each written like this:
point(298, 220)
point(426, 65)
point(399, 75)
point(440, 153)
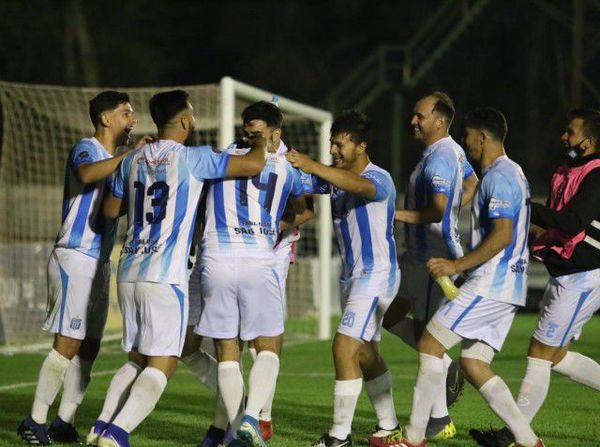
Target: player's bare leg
point(378, 384)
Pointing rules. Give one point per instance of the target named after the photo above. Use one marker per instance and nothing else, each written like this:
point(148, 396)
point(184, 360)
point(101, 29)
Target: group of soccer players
point(249, 201)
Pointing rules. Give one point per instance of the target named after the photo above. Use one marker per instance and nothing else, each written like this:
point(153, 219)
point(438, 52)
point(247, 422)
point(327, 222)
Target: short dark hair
point(354, 123)
point(264, 111)
point(104, 101)
point(488, 119)
point(591, 122)
point(166, 105)
point(443, 105)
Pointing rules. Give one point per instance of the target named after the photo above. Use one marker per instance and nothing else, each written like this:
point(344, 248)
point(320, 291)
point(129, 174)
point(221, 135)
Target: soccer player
point(441, 183)
point(159, 186)
point(362, 200)
point(569, 245)
point(495, 286)
point(241, 291)
point(79, 272)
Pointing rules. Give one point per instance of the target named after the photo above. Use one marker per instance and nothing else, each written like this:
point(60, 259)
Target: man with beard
point(79, 272)
point(440, 184)
point(569, 244)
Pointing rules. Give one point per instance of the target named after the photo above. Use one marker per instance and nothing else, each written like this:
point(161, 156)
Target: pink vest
point(565, 183)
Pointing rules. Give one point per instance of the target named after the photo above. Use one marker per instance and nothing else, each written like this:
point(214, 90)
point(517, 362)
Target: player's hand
point(144, 140)
point(301, 161)
point(442, 267)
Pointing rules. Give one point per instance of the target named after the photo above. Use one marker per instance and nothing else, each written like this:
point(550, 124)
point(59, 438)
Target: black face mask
point(575, 152)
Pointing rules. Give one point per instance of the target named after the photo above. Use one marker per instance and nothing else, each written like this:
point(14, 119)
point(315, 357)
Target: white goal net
point(40, 125)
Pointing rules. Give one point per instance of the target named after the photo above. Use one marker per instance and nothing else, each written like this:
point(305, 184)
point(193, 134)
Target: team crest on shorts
point(75, 323)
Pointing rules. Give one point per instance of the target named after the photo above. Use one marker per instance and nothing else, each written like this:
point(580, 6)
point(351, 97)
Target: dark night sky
point(512, 56)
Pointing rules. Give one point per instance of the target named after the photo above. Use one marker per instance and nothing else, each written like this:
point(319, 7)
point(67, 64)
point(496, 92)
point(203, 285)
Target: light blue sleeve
point(439, 173)
point(297, 183)
point(118, 184)
point(204, 163)
point(314, 185)
point(468, 170)
point(383, 184)
point(84, 152)
point(502, 198)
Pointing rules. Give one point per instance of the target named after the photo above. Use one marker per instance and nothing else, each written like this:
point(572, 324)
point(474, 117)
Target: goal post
point(39, 124)
point(232, 89)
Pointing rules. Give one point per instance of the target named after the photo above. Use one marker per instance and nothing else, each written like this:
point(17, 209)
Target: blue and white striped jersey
point(84, 228)
point(161, 184)
point(442, 170)
point(503, 193)
point(243, 214)
point(364, 228)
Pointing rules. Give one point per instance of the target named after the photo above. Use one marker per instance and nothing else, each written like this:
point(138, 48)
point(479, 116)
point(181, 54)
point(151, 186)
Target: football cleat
point(33, 433)
point(455, 384)
point(213, 438)
point(113, 436)
point(444, 429)
point(330, 441)
point(385, 438)
point(61, 431)
point(266, 429)
point(91, 439)
point(493, 438)
point(249, 434)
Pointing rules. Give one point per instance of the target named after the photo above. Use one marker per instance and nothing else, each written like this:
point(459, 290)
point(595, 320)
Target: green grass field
point(302, 409)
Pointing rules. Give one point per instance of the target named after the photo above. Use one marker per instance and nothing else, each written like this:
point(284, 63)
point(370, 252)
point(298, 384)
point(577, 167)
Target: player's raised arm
point(92, 172)
point(112, 206)
point(250, 164)
point(340, 178)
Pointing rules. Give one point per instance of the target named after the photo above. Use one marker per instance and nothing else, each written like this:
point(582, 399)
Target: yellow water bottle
point(447, 285)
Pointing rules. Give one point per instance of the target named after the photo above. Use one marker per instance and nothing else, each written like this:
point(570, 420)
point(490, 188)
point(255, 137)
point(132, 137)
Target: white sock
point(77, 378)
point(405, 330)
point(252, 352)
point(426, 390)
point(580, 368)
point(231, 388)
point(379, 391)
point(440, 409)
point(345, 396)
point(220, 419)
point(118, 390)
point(534, 387)
point(204, 368)
point(52, 375)
point(501, 401)
point(145, 393)
point(265, 412)
point(262, 381)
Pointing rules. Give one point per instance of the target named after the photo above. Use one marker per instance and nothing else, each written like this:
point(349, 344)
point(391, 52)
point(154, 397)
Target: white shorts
point(569, 302)
point(476, 318)
point(154, 317)
point(78, 290)
point(419, 288)
point(195, 301)
point(282, 267)
point(362, 312)
point(242, 296)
